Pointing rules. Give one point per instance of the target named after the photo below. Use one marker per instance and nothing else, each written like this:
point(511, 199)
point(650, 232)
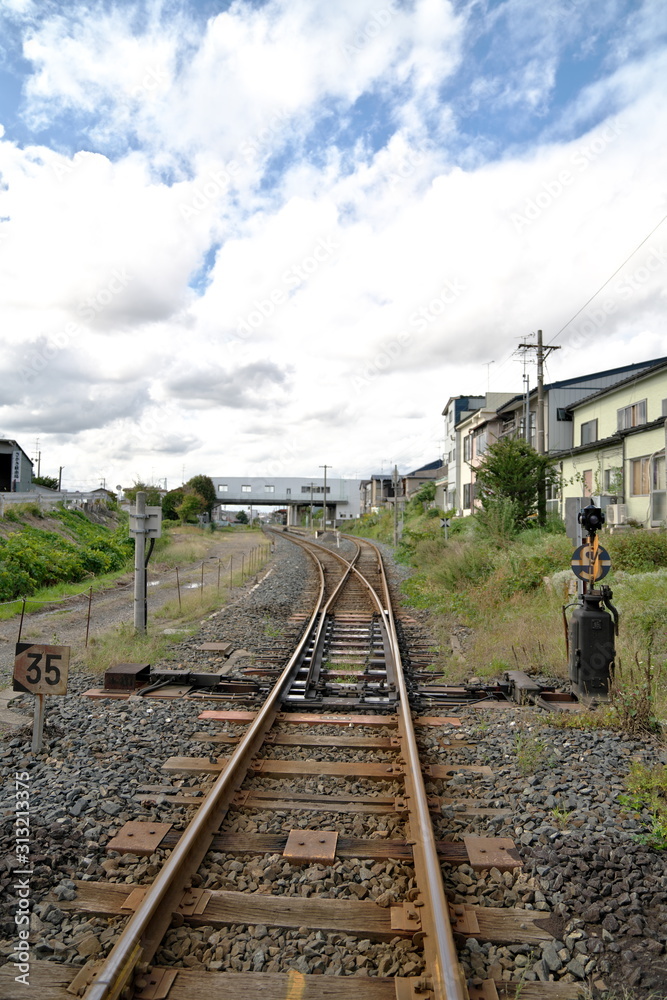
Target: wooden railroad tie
point(57, 982)
point(481, 853)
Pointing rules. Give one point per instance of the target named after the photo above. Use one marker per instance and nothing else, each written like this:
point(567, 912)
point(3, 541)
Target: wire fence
point(247, 565)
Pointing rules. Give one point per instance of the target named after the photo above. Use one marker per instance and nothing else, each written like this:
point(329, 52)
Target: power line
point(588, 301)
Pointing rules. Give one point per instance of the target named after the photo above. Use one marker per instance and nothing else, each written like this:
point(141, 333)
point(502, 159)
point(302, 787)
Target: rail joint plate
point(194, 902)
point(139, 837)
point(155, 985)
point(463, 918)
point(492, 852)
point(405, 917)
point(311, 846)
point(485, 991)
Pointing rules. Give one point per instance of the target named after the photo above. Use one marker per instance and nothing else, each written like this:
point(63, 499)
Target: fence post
point(90, 601)
point(21, 622)
point(219, 563)
point(202, 579)
point(178, 587)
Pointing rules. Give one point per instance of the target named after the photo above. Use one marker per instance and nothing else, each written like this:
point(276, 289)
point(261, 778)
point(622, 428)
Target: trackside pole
point(139, 565)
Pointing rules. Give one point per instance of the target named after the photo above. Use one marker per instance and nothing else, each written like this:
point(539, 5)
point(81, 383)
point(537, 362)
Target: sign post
point(145, 522)
point(40, 671)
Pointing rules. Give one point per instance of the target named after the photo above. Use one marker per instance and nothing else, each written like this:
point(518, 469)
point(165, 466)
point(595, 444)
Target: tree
point(153, 495)
point(423, 497)
point(513, 471)
point(50, 481)
point(203, 485)
point(242, 517)
point(170, 502)
point(191, 505)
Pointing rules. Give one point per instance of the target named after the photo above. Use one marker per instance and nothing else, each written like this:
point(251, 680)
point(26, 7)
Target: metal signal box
point(592, 648)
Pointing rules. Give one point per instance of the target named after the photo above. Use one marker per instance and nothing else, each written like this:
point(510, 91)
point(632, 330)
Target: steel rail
point(447, 981)
point(145, 929)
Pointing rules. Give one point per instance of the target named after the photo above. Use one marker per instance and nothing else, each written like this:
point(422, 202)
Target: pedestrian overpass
point(296, 494)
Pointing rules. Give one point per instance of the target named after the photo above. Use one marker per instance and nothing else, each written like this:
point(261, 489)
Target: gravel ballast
point(583, 860)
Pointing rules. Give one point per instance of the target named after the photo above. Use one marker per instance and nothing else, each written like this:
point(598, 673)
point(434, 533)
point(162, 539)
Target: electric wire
point(604, 285)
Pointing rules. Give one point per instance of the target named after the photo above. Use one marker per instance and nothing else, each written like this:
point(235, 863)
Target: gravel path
point(583, 861)
point(64, 623)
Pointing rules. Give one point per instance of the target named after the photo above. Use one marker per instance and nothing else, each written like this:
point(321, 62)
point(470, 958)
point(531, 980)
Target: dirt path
point(64, 623)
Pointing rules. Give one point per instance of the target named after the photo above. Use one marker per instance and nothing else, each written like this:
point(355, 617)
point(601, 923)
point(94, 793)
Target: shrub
point(637, 551)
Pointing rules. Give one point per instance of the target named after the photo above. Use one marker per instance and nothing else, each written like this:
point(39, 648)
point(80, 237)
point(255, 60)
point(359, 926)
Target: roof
point(426, 468)
point(636, 377)
point(614, 439)
point(639, 367)
point(15, 445)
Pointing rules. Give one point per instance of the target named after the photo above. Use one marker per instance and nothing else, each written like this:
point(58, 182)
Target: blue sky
point(255, 237)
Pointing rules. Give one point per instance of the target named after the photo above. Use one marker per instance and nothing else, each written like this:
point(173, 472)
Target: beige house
point(618, 451)
point(476, 432)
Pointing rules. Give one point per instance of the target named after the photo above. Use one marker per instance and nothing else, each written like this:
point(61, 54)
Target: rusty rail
point(146, 927)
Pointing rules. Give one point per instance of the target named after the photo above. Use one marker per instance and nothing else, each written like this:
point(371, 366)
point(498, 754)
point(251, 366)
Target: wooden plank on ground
point(352, 916)
point(541, 991)
point(49, 981)
point(437, 720)
point(289, 740)
point(330, 719)
point(290, 768)
point(451, 852)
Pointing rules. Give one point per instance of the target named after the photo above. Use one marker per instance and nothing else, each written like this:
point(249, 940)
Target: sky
point(253, 238)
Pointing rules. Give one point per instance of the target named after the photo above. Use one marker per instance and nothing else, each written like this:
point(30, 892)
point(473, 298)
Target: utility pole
point(395, 482)
point(60, 476)
point(310, 523)
point(542, 354)
point(325, 467)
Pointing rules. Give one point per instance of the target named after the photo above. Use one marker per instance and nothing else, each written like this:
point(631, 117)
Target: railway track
point(328, 770)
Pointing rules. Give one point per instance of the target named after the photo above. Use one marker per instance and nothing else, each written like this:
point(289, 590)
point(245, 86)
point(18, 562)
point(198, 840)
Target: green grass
point(123, 645)
point(647, 794)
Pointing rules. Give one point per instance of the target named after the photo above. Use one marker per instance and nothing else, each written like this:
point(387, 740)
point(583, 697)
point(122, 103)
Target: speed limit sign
point(41, 669)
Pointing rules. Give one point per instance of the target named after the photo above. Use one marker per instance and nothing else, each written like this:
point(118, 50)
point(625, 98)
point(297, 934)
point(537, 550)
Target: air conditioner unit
point(617, 513)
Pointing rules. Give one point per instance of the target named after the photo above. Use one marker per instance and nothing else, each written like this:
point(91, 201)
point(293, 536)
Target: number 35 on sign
point(41, 669)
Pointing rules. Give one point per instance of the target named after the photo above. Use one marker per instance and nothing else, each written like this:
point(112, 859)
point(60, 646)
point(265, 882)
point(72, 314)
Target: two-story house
point(618, 449)
point(476, 431)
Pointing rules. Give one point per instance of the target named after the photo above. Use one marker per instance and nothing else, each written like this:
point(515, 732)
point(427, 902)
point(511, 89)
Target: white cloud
point(236, 243)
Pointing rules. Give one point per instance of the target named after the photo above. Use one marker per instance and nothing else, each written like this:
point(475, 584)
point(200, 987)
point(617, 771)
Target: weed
point(633, 696)
point(647, 792)
point(273, 631)
point(560, 816)
point(532, 752)
point(123, 645)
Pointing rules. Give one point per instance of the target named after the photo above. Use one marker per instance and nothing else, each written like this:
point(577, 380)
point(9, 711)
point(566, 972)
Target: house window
point(467, 441)
point(613, 481)
point(246, 489)
point(269, 489)
point(466, 496)
point(480, 442)
point(288, 491)
point(223, 488)
point(632, 416)
point(589, 432)
point(588, 482)
point(639, 476)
